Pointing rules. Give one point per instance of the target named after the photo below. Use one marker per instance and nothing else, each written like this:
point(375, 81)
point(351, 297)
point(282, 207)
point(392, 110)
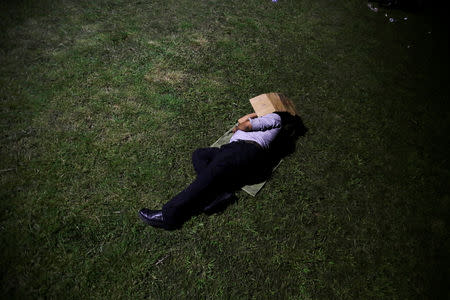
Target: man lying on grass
point(258, 143)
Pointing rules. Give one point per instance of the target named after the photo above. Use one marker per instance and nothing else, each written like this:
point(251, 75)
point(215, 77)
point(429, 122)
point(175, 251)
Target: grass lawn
point(103, 102)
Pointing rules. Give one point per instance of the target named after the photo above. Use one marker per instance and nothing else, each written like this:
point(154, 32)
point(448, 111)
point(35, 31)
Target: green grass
point(104, 101)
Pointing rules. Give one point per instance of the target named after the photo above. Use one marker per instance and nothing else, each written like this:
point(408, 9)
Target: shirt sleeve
point(266, 122)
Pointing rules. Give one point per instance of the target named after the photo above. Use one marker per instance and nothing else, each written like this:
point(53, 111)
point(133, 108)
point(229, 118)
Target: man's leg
point(222, 174)
point(193, 198)
point(227, 171)
point(220, 203)
point(202, 157)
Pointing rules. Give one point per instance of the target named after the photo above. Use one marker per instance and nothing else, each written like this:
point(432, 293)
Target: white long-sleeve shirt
point(264, 130)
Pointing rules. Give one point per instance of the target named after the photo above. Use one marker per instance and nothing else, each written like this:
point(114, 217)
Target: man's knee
point(204, 154)
point(197, 154)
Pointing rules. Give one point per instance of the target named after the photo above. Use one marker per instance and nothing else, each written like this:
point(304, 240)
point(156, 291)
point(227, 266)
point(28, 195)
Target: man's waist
point(249, 142)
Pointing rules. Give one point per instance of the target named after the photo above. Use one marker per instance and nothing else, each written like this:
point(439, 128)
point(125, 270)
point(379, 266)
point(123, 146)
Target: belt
point(250, 142)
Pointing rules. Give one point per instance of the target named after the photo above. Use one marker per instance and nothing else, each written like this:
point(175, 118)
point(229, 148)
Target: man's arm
point(266, 122)
point(246, 117)
point(244, 126)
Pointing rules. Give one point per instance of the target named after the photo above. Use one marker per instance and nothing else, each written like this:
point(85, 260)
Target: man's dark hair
point(292, 128)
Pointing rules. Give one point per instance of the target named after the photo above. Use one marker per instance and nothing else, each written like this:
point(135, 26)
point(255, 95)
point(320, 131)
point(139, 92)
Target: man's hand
point(246, 117)
point(245, 126)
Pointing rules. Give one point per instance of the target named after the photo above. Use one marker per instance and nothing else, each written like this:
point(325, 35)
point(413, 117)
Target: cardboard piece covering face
point(268, 103)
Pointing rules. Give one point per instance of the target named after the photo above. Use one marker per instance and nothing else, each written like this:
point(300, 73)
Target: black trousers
point(219, 170)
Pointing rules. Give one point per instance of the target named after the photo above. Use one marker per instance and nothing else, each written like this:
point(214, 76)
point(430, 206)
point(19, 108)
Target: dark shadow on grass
point(284, 144)
point(16, 12)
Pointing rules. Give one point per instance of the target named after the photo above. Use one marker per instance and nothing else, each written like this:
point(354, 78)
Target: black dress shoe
point(154, 218)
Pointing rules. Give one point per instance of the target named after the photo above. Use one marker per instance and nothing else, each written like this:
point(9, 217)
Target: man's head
point(292, 128)
point(292, 125)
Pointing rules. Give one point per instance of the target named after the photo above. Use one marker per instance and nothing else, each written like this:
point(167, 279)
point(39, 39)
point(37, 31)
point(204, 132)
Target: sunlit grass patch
point(200, 40)
point(161, 74)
